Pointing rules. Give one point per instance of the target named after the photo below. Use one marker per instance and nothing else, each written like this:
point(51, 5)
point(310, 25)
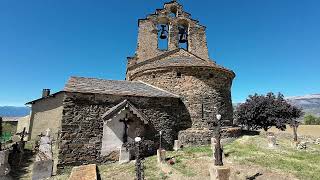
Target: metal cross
point(23, 134)
point(125, 122)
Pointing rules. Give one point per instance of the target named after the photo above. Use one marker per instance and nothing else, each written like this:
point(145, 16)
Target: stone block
point(86, 172)
point(219, 172)
point(213, 144)
point(161, 155)
point(42, 169)
point(4, 155)
point(124, 155)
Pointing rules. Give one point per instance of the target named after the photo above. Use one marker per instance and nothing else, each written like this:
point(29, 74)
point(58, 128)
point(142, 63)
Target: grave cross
point(23, 134)
point(21, 143)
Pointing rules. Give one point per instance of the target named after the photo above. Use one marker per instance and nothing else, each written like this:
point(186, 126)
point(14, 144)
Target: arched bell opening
point(183, 28)
point(173, 12)
point(163, 33)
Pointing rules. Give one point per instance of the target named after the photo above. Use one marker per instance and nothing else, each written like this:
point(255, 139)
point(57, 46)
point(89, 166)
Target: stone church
point(171, 85)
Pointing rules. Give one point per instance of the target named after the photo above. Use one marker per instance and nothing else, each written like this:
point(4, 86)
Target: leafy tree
point(311, 120)
point(265, 111)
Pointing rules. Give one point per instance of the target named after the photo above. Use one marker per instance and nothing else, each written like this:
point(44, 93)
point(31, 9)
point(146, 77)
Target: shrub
point(311, 120)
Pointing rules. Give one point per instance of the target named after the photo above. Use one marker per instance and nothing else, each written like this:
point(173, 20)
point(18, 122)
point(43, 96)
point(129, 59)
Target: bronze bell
point(183, 38)
point(163, 34)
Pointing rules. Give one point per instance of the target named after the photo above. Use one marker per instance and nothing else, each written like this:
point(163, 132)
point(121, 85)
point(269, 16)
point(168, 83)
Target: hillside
point(309, 103)
point(12, 111)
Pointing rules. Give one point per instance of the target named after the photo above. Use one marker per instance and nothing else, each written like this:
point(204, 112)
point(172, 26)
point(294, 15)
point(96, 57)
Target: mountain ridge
point(14, 111)
point(309, 103)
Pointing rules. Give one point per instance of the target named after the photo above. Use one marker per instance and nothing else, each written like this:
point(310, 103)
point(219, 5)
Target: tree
point(265, 111)
point(311, 120)
point(292, 113)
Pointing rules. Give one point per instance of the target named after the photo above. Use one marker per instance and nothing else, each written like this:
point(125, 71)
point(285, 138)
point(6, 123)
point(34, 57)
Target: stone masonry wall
point(82, 125)
point(201, 89)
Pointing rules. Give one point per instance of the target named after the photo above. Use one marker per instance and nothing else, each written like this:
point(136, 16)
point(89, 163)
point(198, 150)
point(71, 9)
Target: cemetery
point(262, 155)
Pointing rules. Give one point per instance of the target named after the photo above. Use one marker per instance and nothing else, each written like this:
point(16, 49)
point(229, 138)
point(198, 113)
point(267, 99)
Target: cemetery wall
point(24, 122)
point(82, 124)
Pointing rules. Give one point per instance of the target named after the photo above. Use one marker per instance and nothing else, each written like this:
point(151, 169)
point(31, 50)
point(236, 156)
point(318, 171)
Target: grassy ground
point(253, 150)
point(247, 157)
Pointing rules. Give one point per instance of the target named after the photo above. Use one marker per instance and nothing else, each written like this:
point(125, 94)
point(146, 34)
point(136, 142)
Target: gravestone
point(272, 141)
point(42, 169)
point(161, 155)
point(124, 155)
point(176, 145)
point(4, 165)
point(43, 164)
point(86, 172)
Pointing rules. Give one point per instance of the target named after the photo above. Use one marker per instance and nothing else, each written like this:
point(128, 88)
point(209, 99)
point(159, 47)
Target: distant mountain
point(309, 103)
point(12, 111)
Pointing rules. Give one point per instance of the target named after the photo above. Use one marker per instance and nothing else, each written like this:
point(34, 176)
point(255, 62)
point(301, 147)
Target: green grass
point(304, 164)
point(189, 154)
point(203, 150)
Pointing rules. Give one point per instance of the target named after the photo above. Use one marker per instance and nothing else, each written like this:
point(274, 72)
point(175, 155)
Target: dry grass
point(303, 130)
point(285, 158)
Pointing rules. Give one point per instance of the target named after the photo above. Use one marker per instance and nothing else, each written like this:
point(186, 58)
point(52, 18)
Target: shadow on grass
point(20, 164)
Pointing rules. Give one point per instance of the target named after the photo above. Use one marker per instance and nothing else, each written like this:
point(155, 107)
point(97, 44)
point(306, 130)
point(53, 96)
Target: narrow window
point(210, 75)
point(202, 111)
point(153, 76)
point(163, 30)
point(178, 74)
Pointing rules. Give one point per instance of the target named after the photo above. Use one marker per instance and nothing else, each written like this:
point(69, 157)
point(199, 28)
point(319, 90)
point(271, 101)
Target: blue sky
point(271, 45)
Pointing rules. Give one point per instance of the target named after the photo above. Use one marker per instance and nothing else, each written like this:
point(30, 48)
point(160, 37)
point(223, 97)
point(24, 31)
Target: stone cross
point(45, 147)
point(48, 132)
